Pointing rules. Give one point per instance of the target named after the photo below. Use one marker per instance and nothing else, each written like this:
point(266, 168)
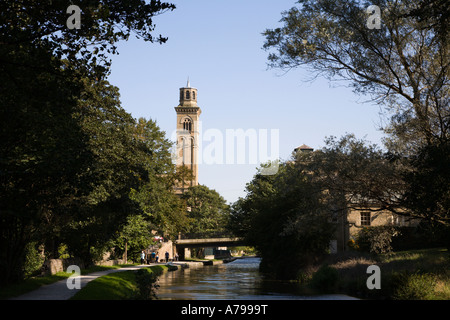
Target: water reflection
point(239, 279)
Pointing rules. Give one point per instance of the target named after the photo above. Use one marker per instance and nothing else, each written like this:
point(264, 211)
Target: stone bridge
point(186, 242)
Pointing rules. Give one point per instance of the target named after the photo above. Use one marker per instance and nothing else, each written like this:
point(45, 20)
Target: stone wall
point(348, 226)
point(378, 218)
point(52, 266)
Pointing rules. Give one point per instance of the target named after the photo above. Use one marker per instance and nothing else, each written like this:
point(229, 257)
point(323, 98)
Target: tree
point(155, 192)
point(208, 211)
point(358, 174)
point(162, 208)
point(428, 185)
point(43, 24)
point(434, 14)
point(55, 175)
point(135, 236)
point(402, 65)
point(42, 150)
point(363, 175)
point(287, 217)
point(291, 217)
point(239, 222)
point(105, 182)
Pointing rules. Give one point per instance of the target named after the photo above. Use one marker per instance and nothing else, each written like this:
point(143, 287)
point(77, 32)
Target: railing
point(205, 235)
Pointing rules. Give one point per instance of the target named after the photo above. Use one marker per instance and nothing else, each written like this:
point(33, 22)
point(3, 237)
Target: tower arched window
point(188, 95)
point(193, 95)
point(187, 125)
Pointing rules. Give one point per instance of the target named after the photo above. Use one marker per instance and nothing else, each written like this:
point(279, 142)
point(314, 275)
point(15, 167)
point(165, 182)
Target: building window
point(188, 95)
point(193, 95)
point(187, 125)
point(365, 218)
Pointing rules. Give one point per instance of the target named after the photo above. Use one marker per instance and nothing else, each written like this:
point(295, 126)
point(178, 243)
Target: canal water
point(237, 280)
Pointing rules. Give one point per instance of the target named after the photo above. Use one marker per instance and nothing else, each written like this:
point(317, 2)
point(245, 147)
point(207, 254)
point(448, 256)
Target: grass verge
point(34, 283)
point(406, 275)
point(115, 286)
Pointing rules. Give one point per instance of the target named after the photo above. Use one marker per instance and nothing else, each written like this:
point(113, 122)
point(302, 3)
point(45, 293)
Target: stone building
point(356, 219)
point(351, 221)
point(188, 113)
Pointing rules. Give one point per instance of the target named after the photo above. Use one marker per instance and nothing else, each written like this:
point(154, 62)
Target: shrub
point(425, 235)
point(325, 279)
point(33, 260)
point(377, 239)
point(412, 286)
point(146, 282)
point(352, 244)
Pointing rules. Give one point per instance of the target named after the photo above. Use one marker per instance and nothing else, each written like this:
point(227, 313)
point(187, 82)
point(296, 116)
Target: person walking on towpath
point(167, 256)
point(142, 257)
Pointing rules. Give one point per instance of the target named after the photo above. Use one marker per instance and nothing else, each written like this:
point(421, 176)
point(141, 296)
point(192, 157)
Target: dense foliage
point(286, 217)
point(208, 212)
point(403, 65)
point(69, 152)
point(292, 216)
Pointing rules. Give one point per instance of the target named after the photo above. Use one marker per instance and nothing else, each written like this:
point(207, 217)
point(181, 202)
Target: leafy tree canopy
point(43, 24)
point(403, 65)
point(69, 156)
point(208, 211)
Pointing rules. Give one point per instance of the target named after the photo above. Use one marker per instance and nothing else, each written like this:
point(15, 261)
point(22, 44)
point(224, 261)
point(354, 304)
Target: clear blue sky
point(218, 45)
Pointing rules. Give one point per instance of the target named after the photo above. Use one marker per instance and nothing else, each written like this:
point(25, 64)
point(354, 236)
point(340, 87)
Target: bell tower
point(188, 113)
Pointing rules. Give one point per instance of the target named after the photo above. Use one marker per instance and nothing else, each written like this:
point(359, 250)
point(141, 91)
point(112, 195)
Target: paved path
point(60, 291)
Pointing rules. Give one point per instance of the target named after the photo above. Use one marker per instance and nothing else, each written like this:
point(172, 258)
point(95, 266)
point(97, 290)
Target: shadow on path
point(60, 291)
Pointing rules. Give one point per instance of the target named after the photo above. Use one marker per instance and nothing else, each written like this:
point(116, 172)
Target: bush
point(325, 279)
point(412, 286)
point(425, 235)
point(377, 239)
point(146, 282)
point(33, 260)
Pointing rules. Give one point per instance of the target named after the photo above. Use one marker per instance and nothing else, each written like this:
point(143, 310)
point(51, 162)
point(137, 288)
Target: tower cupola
point(188, 96)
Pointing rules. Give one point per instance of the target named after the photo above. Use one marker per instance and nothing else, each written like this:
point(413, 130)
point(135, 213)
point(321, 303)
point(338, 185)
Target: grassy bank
point(124, 285)
point(406, 275)
point(34, 283)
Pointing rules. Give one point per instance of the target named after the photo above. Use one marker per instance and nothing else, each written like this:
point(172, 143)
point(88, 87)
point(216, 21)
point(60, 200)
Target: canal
point(237, 280)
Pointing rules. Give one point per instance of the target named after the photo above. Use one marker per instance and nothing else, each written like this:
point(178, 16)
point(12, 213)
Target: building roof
point(303, 147)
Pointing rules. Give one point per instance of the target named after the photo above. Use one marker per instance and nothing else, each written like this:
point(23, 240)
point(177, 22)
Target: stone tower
point(188, 113)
